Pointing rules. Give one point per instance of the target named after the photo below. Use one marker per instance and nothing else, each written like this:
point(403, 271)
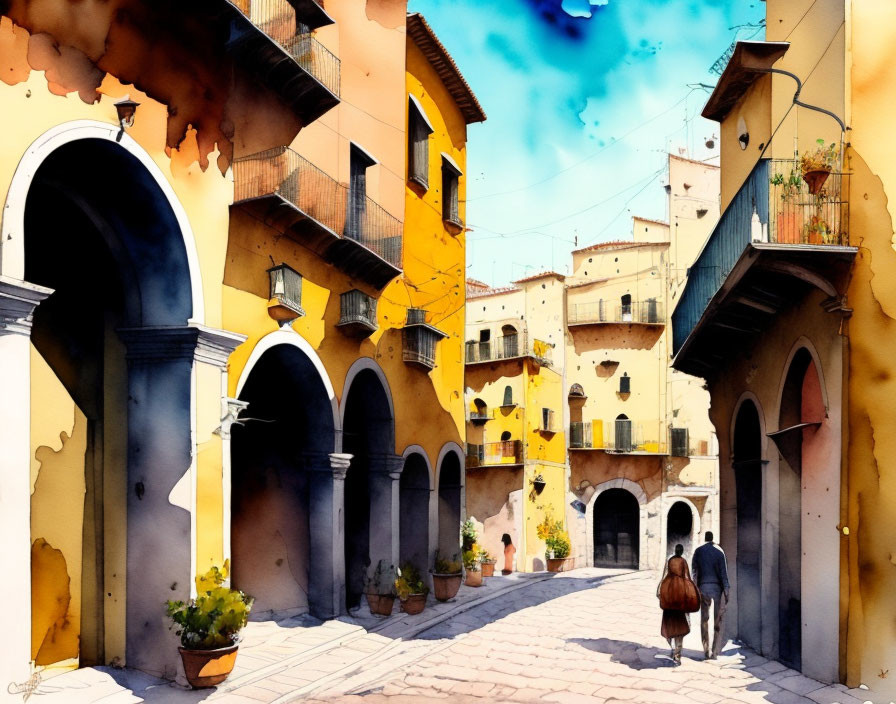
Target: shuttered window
point(450, 193)
point(418, 145)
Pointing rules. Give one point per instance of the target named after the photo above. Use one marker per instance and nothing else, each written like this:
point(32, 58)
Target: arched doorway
point(369, 436)
point(616, 529)
point(802, 410)
point(112, 363)
point(679, 528)
point(748, 478)
point(450, 488)
point(414, 515)
point(274, 451)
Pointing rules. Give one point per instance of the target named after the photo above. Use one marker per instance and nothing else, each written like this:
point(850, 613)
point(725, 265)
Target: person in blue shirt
point(710, 570)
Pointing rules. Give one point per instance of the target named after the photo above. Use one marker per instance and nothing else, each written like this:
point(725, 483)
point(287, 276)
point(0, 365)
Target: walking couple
point(680, 595)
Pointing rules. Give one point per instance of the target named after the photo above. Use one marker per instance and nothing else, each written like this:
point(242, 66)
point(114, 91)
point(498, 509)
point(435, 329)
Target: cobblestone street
point(589, 636)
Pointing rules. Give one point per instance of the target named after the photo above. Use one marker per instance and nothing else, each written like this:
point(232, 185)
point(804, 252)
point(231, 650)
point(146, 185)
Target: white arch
point(695, 520)
point(12, 229)
point(360, 365)
point(288, 336)
point(417, 450)
point(802, 343)
point(641, 497)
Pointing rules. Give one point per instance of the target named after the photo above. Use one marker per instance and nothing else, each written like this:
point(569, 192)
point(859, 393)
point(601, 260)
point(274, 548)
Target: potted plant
point(787, 216)
point(539, 483)
point(487, 564)
point(818, 164)
point(411, 589)
point(209, 627)
point(557, 543)
point(446, 578)
point(380, 589)
point(468, 534)
point(473, 567)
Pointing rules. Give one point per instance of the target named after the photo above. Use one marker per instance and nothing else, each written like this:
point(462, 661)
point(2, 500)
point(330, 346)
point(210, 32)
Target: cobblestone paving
point(585, 637)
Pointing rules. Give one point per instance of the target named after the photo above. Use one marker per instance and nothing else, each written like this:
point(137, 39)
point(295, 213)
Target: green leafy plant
point(381, 580)
point(822, 158)
point(471, 559)
point(468, 533)
point(215, 617)
point(409, 582)
point(555, 538)
point(486, 558)
point(443, 566)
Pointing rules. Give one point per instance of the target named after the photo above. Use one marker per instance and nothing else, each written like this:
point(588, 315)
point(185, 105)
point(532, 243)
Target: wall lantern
point(285, 304)
point(127, 111)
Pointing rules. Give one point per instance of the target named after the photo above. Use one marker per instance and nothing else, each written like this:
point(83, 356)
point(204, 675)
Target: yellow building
point(515, 428)
point(787, 314)
point(231, 323)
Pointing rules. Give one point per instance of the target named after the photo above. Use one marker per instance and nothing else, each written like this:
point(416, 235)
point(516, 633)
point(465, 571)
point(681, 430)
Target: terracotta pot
point(488, 569)
point(815, 180)
point(446, 586)
point(381, 604)
point(206, 668)
point(474, 579)
point(414, 604)
point(561, 564)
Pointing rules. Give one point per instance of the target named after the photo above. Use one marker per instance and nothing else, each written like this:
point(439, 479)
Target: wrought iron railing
point(621, 435)
point(507, 347)
point(283, 172)
point(277, 19)
point(774, 205)
point(495, 453)
point(357, 307)
point(649, 312)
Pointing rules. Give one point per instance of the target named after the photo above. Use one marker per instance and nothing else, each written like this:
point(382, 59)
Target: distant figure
point(674, 589)
point(509, 553)
point(711, 573)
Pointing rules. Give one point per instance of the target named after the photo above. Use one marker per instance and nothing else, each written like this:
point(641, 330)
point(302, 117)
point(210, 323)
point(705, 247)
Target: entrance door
point(616, 529)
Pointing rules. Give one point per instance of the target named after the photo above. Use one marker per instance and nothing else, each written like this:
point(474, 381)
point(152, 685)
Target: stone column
point(385, 472)
point(326, 505)
point(18, 299)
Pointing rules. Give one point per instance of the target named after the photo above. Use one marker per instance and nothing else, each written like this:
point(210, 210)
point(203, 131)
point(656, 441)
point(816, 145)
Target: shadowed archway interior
point(616, 529)
point(414, 517)
point(679, 528)
point(271, 451)
point(100, 232)
point(449, 505)
point(748, 477)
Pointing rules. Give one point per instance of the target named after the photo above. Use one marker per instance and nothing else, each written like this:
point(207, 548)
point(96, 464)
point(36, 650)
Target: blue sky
point(583, 99)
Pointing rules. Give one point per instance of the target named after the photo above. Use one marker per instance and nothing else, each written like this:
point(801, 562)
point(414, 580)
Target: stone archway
point(617, 529)
point(681, 527)
point(115, 345)
point(748, 464)
point(450, 503)
point(414, 493)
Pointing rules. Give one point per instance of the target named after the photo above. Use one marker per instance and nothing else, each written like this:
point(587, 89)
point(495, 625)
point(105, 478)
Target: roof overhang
point(766, 279)
point(749, 61)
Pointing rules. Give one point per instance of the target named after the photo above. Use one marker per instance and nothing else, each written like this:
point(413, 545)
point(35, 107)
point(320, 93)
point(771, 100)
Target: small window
point(505, 436)
point(547, 419)
point(355, 221)
point(450, 192)
point(626, 307)
point(625, 384)
point(419, 130)
point(679, 442)
point(508, 396)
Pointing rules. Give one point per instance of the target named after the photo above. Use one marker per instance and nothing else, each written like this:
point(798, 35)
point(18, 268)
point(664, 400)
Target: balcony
point(419, 340)
point(622, 436)
point(494, 454)
point(273, 37)
point(775, 242)
point(604, 312)
point(357, 314)
point(287, 192)
point(508, 347)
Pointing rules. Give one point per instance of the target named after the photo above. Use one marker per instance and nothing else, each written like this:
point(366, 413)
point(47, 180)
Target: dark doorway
point(449, 505)
point(270, 452)
point(748, 477)
point(679, 526)
point(368, 434)
point(616, 529)
point(414, 515)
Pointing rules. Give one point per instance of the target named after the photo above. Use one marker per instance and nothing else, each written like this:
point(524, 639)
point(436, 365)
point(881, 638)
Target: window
point(626, 308)
point(485, 344)
point(625, 384)
point(623, 433)
point(505, 436)
point(450, 192)
point(481, 411)
point(508, 396)
point(547, 419)
point(359, 162)
point(511, 341)
point(679, 442)
point(419, 130)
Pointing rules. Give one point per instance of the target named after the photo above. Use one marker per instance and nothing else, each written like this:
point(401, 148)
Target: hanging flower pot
point(815, 180)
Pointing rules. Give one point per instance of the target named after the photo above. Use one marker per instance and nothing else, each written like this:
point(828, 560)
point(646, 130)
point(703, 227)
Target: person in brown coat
point(676, 624)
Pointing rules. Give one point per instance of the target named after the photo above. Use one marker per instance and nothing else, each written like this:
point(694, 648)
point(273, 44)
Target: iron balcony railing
point(773, 206)
point(494, 453)
point(283, 172)
point(356, 307)
point(507, 347)
point(277, 19)
point(621, 435)
point(649, 312)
